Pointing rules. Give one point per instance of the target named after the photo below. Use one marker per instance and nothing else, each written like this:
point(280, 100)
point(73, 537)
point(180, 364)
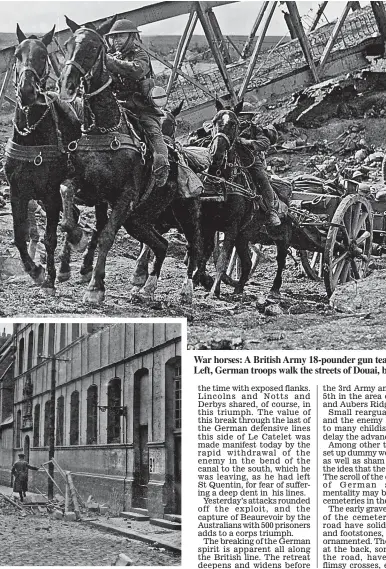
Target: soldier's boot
point(161, 169)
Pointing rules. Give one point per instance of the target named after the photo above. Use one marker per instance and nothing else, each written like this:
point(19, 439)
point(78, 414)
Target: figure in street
point(20, 473)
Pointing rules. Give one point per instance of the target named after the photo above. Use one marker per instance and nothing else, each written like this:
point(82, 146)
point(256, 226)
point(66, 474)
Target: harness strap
point(33, 154)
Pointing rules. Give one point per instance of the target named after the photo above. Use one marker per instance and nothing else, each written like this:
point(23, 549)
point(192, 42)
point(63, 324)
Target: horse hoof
point(93, 297)
point(139, 280)
point(48, 290)
point(273, 296)
point(63, 277)
point(86, 278)
point(39, 275)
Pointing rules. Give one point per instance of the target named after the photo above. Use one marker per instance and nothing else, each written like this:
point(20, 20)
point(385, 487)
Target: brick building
point(117, 393)
point(6, 406)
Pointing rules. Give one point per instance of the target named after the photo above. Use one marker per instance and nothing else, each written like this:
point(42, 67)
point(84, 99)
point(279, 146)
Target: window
point(51, 339)
point(60, 421)
point(113, 411)
point(18, 430)
point(47, 408)
point(36, 435)
point(40, 341)
point(21, 355)
point(30, 349)
point(177, 397)
point(75, 331)
point(92, 415)
point(63, 337)
point(74, 418)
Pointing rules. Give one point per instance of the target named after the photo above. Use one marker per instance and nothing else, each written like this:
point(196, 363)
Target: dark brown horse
point(110, 161)
point(36, 160)
point(240, 216)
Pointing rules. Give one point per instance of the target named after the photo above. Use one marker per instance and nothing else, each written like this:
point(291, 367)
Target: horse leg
point(223, 260)
point(77, 238)
point(147, 234)
point(21, 230)
point(141, 271)
point(95, 292)
point(188, 212)
point(64, 273)
point(242, 248)
point(208, 245)
point(282, 251)
point(101, 219)
point(50, 242)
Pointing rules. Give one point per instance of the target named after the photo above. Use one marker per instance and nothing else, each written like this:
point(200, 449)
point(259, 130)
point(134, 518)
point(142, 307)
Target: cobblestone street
point(41, 540)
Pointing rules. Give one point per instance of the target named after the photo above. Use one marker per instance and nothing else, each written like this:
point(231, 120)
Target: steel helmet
point(123, 27)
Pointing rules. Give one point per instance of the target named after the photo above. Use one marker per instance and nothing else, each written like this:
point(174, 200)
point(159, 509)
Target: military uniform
point(132, 82)
point(259, 140)
point(20, 472)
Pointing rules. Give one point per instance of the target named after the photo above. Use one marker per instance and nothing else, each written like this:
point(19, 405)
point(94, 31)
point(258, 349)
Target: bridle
point(230, 143)
point(87, 74)
point(40, 79)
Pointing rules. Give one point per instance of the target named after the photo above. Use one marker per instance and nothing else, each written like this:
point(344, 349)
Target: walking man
point(20, 472)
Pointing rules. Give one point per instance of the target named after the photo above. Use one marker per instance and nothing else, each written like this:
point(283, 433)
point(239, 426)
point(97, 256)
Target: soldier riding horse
point(111, 162)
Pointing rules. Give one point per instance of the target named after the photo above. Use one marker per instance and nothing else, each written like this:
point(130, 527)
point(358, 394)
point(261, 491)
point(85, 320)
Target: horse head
point(86, 51)
point(169, 122)
point(31, 58)
point(225, 129)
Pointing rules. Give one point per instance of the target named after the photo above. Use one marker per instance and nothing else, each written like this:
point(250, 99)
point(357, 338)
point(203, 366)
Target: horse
point(111, 163)
point(182, 214)
point(35, 156)
point(240, 217)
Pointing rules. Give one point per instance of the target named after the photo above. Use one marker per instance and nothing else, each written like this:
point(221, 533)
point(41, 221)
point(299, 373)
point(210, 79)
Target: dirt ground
point(303, 320)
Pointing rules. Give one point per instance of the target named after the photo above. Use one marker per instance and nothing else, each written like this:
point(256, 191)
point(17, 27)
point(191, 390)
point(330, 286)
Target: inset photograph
point(90, 443)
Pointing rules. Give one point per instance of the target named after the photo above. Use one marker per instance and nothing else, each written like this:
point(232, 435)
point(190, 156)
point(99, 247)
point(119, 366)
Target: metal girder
point(379, 12)
point(257, 50)
point(178, 71)
point(303, 39)
point(219, 37)
point(248, 44)
point(318, 15)
point(334, 35)
point(141, 16)
point(4, 86)
point(181, 49)
point(210, 36)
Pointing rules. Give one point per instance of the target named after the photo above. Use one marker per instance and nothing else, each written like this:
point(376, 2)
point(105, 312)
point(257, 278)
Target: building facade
point(6, 406)
point(117, 410)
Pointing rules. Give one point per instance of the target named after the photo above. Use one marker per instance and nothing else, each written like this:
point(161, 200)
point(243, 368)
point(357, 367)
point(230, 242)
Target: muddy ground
point(303, 320)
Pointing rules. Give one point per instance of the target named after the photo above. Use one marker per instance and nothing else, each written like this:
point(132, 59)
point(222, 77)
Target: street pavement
point(28, 539)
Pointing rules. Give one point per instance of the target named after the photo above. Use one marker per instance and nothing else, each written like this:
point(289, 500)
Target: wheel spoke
point(355, 217)
point(338, 260)
point(348, 221)
point(362, 218)
point(339, 266)
point(320, 270)
point(365, 235)
point(345, 275)
point(314, 260)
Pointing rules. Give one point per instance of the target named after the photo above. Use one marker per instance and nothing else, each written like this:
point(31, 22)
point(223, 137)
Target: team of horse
point(53, 154)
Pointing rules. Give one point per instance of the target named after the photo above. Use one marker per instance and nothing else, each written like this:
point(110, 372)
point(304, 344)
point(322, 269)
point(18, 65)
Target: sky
point(236, 19)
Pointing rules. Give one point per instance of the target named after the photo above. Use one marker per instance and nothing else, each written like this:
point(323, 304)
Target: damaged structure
point(6, 407)
point(105, 401)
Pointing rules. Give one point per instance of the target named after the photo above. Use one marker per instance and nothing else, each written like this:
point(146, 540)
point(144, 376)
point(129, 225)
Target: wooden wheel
point(233, 272)
point(312, 263)
point(349, 242)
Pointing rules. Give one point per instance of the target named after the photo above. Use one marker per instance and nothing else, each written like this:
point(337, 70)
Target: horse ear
point(219, 105)
point(20, 36)
point(239, 107)
point(106, 27)
point(47, 39)
point(175, 112)
point(72, 25)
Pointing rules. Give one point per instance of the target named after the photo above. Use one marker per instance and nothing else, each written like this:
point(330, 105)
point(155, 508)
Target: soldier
point(133, 82)
point(259, 140)
point(20, 472)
